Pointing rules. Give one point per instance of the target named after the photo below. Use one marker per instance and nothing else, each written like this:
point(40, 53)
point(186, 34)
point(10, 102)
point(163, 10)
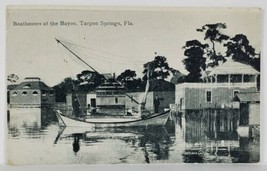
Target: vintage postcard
point(134, 85)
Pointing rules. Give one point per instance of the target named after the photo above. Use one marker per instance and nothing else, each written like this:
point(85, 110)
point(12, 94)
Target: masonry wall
point(27, 100)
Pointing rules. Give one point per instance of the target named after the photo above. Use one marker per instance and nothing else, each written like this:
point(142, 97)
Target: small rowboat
point(153, 120)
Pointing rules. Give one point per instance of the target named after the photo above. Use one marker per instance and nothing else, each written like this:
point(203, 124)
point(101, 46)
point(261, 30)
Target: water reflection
point(200, 136)
point(31, 120)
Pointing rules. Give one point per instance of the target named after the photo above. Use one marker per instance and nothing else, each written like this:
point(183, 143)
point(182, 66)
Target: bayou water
point(34, 137)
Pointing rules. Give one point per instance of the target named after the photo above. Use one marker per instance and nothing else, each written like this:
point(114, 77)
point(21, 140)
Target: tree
point(177, 76)
point(89, 80)
point(195, 61)
point(12, 78)
point(241, 51)
point(65, 87)
point(127, 75)
point(129, 80)
point(214, 35)
point(158, 68)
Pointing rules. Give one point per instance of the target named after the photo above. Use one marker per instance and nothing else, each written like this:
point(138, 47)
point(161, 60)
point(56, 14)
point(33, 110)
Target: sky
point(33, 51)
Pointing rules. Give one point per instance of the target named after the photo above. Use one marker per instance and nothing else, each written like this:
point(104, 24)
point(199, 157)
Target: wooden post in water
point(215, 122)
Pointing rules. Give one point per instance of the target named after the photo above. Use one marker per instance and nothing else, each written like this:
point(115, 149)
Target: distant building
point(249, 112)
point(249, 105)
point(110, 98)
point(10, 87)
point(32, 92)
point(164, 90)
point(218, 87)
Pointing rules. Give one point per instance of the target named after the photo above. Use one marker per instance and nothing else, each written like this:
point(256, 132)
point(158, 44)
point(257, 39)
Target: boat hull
point(155, 120)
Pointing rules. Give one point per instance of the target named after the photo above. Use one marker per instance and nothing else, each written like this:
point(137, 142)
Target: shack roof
point(110, 85)
point(247, 97)
point(156, 85)
point(161, 85)
point(33, 85)
point(11, 86)
point(233, 67)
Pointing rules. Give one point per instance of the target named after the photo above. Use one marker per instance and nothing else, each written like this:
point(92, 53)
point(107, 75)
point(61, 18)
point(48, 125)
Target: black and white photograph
point(132, 85)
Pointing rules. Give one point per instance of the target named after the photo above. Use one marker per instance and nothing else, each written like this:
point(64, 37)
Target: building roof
point(32, 85)
point(161, 85)
point(11, 86)
point(247, 97)
point(110, 85)
point(233, 67)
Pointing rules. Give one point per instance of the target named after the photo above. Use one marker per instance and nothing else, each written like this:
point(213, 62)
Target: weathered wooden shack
point(164, 90)
point(249, 106)
point(218, 87)
point(110, 98)
point(249, 113)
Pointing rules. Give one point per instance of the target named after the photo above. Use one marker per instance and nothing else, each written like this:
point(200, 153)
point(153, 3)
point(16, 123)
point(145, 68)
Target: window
point(235, 92)
point(236, 78)
point(27, 86)
point(14, 94)
point(249, 78)
point(43, 93)
point(181, 103)
point(108, 93)
point(222, 78)
point(24, 93)
point(35, 93)
point(116, 100)
point(208, 96)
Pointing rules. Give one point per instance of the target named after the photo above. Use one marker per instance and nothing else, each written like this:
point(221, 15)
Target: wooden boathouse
point(162, 89)
point(218, 87)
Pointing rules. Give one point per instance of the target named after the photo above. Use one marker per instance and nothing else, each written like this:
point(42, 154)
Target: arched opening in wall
point(35, 93)
point(14, 94)
point(116, 100)
point(24, 93)
point(27, 86)
point(43, 93)
point(51, 93)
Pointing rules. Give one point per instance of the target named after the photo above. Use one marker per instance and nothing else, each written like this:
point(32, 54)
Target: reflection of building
point(218, 87)
point(210, 137)
point(31, 117)
point(161, 88)
point(32, 93)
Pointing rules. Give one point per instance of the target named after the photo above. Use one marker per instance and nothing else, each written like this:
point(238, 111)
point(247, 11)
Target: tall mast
point(58, 41)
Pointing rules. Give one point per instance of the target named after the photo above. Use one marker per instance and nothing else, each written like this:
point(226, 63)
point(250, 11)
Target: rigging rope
point(93, 68)
point(71, 73)
point(121, 58)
